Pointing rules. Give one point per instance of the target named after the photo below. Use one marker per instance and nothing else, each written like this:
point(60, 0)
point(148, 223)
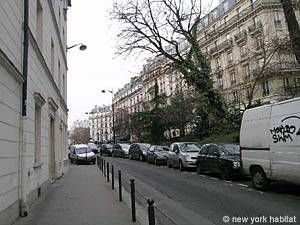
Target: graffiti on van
point(285, 132)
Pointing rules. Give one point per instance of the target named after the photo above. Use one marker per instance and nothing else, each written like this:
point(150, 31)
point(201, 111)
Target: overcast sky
point(97, 67)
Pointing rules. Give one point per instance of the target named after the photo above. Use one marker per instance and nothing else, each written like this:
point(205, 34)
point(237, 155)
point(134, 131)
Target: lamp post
point(113, 112)
point(82, 47)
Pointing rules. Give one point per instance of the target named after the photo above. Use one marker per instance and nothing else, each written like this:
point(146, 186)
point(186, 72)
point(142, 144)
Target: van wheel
point(181, 167)
point(259, 179)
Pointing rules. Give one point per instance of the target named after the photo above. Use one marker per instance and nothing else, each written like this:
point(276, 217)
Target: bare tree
point(266, 55)
point(293, 25)
point(168, 28)
point(80, 135)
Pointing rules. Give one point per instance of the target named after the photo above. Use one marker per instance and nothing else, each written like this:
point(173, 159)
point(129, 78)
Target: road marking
point(243, 185)
point(213, 178)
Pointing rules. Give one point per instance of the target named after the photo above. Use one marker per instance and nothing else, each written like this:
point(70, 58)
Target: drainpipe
point(25, 56)
point(23, 208)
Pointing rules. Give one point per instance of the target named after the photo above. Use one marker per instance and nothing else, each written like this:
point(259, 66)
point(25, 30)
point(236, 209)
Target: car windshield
point(126, 146)
point(144, 147)
point(161, 148)
point(108, 145)
point(189, 147)
point(83, 150)
point(229, 149)
point(92, 146)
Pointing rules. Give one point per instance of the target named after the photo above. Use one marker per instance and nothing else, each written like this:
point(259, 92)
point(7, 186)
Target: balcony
point(240, 36)
point(213, 51)
point(226, 44)
point(255, 28)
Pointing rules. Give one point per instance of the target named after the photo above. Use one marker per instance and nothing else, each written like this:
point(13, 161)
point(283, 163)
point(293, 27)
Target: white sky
point(97, 67)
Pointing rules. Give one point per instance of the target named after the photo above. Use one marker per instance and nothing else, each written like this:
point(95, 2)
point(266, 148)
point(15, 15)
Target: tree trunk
point(293, 27)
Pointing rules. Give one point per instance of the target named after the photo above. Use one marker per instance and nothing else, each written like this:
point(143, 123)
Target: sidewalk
point(81, 197)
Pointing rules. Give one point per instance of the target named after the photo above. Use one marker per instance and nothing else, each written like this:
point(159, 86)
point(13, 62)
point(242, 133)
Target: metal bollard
point(133, 212)
point(104, 168)
point(107, 170)
point(102, 161)
point(120, 185)
point(151, 215)
point(112, 177)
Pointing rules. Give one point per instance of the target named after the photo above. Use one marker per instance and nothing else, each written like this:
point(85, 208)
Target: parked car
point(220, 158)
point(270, 143)
point(106, 149)
point(183, 155)
point(120, 150)
point(158, 154)
point(81, 153)
point(138, 151)
point(93, 147)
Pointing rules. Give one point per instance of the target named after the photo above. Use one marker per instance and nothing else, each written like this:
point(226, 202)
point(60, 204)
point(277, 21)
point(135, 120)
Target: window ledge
point(37, 165)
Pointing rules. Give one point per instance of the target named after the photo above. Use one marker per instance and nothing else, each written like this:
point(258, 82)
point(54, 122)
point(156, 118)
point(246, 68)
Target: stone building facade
point(100, 123)
point(33, 101)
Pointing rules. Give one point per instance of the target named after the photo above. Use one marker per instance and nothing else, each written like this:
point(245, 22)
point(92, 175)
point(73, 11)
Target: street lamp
point(82, 47)
point(113, 112)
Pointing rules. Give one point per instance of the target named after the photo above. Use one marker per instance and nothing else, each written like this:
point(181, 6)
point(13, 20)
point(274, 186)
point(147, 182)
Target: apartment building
point(100, 123)
point(33, 101)
point(241, 38)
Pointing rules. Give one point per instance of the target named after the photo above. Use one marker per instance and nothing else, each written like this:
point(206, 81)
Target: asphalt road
point(190, 199)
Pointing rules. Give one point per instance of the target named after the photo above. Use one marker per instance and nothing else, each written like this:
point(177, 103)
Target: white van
point(270, 143)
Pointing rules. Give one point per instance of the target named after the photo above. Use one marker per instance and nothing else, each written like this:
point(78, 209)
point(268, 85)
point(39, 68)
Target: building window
point(230, 58)
point(59, 76)
point(64, 87)
point(286, 84)
point(37, 132)
point(52, 57)
point(247, 71)
point(265, 88)
point(277, 17)
point(258, 43)
point(39, 24)
point(220, 81)
point(238, 12)
point(225, 20)
point(235, 96)
point(248, 92)
point(243, 51)
point(232, 78)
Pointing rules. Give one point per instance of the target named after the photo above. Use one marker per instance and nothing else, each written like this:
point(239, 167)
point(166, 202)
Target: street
point(188, 198)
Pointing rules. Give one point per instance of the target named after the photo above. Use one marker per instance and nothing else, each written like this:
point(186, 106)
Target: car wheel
point(225, 174)
point(199, 169)
point(259, 179)
point(141, 158)
point(169, 163)
point(181, 166)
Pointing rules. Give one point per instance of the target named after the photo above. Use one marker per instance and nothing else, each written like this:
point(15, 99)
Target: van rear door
point(254, 138)
point(284, 137)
